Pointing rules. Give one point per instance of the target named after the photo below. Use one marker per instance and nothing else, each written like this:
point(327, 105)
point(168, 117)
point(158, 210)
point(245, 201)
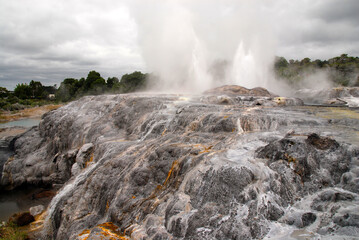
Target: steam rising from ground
point(195, 45)
point(317, 81)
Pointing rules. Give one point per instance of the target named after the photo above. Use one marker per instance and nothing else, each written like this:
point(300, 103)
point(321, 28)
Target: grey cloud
point(65, 59)
point(51, 40)
point(316, 29)
point(338, 11)
point(340, 33)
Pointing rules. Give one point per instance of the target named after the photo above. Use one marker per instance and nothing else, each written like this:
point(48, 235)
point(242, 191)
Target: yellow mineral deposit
point(108, 231)
point(90, 161)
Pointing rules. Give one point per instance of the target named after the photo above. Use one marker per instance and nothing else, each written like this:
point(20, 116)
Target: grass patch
point(9, 231)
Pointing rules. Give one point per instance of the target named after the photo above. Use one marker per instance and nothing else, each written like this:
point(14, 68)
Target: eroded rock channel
point(214, 166)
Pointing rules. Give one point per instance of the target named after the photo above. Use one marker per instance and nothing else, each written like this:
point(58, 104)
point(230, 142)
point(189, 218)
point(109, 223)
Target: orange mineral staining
point(108, 231)
point(174, 167)
point(89, 161)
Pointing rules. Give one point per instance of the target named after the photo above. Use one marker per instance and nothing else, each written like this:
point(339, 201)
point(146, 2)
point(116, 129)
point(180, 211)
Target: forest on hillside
point(340, 71)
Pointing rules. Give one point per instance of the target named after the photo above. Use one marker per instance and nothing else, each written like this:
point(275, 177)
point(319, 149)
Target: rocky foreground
point(229, 164)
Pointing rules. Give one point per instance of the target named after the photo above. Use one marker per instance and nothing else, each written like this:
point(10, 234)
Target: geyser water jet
point(182, 41)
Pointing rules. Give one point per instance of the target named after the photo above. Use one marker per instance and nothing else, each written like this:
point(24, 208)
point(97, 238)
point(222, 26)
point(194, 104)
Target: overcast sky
point(48, 40)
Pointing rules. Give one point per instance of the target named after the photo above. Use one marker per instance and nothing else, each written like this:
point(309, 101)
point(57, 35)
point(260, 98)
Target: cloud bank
point(51, 40)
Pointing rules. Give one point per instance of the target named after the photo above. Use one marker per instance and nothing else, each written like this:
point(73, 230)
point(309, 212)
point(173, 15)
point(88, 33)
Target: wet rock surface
point(188, 167)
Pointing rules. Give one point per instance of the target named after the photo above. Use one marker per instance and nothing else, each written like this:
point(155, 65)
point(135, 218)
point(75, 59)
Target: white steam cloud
point(316, 81)
point(193, 45)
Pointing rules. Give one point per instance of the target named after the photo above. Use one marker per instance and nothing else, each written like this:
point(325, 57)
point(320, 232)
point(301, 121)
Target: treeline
point(35, 94)
point(26, 95)
point(341, 71)
point(94, 84)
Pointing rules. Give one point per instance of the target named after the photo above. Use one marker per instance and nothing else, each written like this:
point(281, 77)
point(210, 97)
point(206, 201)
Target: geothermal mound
point(233, 90)
point(143, 166)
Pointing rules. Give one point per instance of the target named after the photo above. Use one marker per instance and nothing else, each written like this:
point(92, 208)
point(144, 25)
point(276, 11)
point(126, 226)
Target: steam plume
point(193, 45)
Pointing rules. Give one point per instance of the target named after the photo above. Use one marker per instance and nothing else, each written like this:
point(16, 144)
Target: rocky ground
point(230, 164)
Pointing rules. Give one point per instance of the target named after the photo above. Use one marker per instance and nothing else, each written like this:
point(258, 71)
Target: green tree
point(50, 89)
point(80, 86)
point(132, 82)
point(111, 82)
point(117, 88)
point(37, 90)
point(305, 61)
point(280, 62)
point(70, 81)
point(22, 91)
point(4, 93)
point(98, 86)
point(67, 90)
point(319, 63)
point(91, 78)
point(80, 83)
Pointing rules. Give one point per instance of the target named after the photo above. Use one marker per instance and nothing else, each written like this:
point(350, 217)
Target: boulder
point(36, 210)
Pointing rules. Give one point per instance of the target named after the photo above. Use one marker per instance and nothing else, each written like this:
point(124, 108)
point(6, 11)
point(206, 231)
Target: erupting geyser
point(186, 43)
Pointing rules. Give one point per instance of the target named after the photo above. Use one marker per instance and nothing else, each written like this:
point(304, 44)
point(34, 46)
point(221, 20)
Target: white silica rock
point(36, 210)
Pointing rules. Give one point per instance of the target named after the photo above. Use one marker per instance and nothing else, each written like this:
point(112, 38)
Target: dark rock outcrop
point(308, 157)
point(168, 166)
point(22, 219)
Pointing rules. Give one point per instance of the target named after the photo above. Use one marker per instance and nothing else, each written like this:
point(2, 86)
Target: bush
point(4, 93)
point(5, 105)
point(22, 91)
